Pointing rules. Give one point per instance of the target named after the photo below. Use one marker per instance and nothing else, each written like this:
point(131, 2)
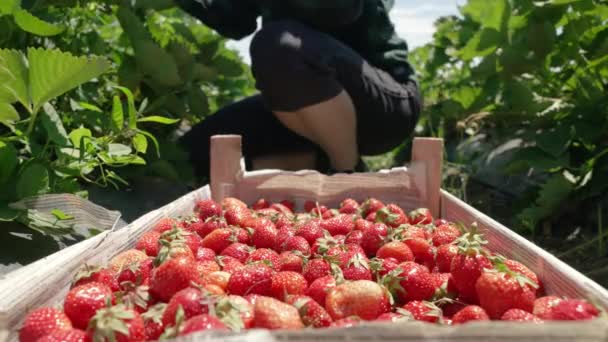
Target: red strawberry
point(137, 273)
point(470, 313)
point(221, 238)
point(466, 268)
point(236, 312)
point(282, 209)
point(296, 243)
point(287, 283)
point(237, 216)
point(319, 288)
point(204, 253)
point(165, 224)
point(309, 205)
point(438, 222)
point(201, 323)
point(251, 279)
point(319, 211)
point(371, 205)
point(330, 213)
point(268, 213)
point(239, 251)
point(361, 298)
point(310, 230)
point(231, 202)
point(346, 322)
point(65, 335)
point(520, 268)
point(323, 244)
point(357, 268)
point(410, 281)
point(291, 261)
point(193, 302)
point(316, 268)
point(204, 228)
point(42, 322)
point(354, 237)
point(397, 250)
point(126, 258)
point(207, 208)
point(391, 215)
point(149, 243)
point(264, 234)
point(421, 216)
point(362, 224)
point(271, 313)
point(451, 308)
point(422, 250)
point(229, 264)
point(260, 204)
point(444, 256)
point(117, 323)
point(289, 204)
point(90, 274)
point(190, 239)
point(371, 217)
point(381, 267)
point(153, 322)
point(544, 305)
point(267, 256)
point(170, 277)
point(520, 316)
point(339, 225)
point(349, 206)
point(83, 301)
point(202, 268)
point(445, 234)
point(217, 278)
point(373, 238)
point(501, 291)
point(311, 313)
point(285, 232)
point(423, 311)
point(571, 310)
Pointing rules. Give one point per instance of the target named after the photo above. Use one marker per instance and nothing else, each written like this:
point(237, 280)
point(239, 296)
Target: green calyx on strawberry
point(229, 312)
point(501, 267)
point(165, 251)
point(471, 242)
point(134, 297)
point(115, 323)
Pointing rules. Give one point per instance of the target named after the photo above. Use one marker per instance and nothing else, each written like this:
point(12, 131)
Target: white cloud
point(413, 21)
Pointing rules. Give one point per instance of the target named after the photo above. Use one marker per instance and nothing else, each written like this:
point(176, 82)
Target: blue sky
point(413, 21)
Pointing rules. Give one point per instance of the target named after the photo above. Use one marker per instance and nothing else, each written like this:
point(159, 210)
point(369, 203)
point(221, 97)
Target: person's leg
point(266, 142)
point(332, 124)
point(326, 92)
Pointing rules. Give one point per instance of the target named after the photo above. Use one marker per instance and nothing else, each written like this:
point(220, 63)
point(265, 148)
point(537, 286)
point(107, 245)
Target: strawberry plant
point(518, 90)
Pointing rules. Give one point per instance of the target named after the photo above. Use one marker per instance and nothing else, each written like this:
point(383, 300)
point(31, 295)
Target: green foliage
point(91, 91)
point(534, 73)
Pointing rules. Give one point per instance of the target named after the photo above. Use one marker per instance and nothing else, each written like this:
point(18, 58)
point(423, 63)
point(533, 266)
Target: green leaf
point(33, 180)
point(52, 73)
point(8, 161)
point(8, 113)
point(154, 141)
point(118, 116)
point(158, 119)
point(7, 213)
point(13, 78)
point(198, 102)
point(228, 64)
point(157, 63)
point(488, 13)
point(53, 126)
point(466, 95)
point(131, 111)
point(554, 140)
point(79, 138)
point(29, 23)
point(140, 143)
point(8, 6)
point(550, 196)
point(483, 43)
point(115, 150)
point(534, 157)
point(60, 215)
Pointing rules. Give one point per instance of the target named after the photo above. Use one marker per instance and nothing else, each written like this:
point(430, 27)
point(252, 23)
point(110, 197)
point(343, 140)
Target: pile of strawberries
point(230, 267)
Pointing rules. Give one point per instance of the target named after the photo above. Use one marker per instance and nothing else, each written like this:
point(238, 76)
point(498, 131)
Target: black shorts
point(295, 67)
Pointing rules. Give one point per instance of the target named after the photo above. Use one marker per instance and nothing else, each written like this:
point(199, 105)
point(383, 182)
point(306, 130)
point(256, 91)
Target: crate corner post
point(225, 161)
point(429, 151)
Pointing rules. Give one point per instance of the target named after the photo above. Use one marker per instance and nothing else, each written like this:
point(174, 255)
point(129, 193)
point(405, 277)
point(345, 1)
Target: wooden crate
point(46, 281)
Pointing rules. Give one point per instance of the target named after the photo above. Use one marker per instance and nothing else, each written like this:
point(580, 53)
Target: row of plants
point(92, 93)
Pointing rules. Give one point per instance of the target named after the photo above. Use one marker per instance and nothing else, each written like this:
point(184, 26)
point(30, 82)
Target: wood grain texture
point(429, 151)
point(225, 159)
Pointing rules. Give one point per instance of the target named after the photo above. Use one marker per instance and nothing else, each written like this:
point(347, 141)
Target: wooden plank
point(429, 151)
point(225, 160)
